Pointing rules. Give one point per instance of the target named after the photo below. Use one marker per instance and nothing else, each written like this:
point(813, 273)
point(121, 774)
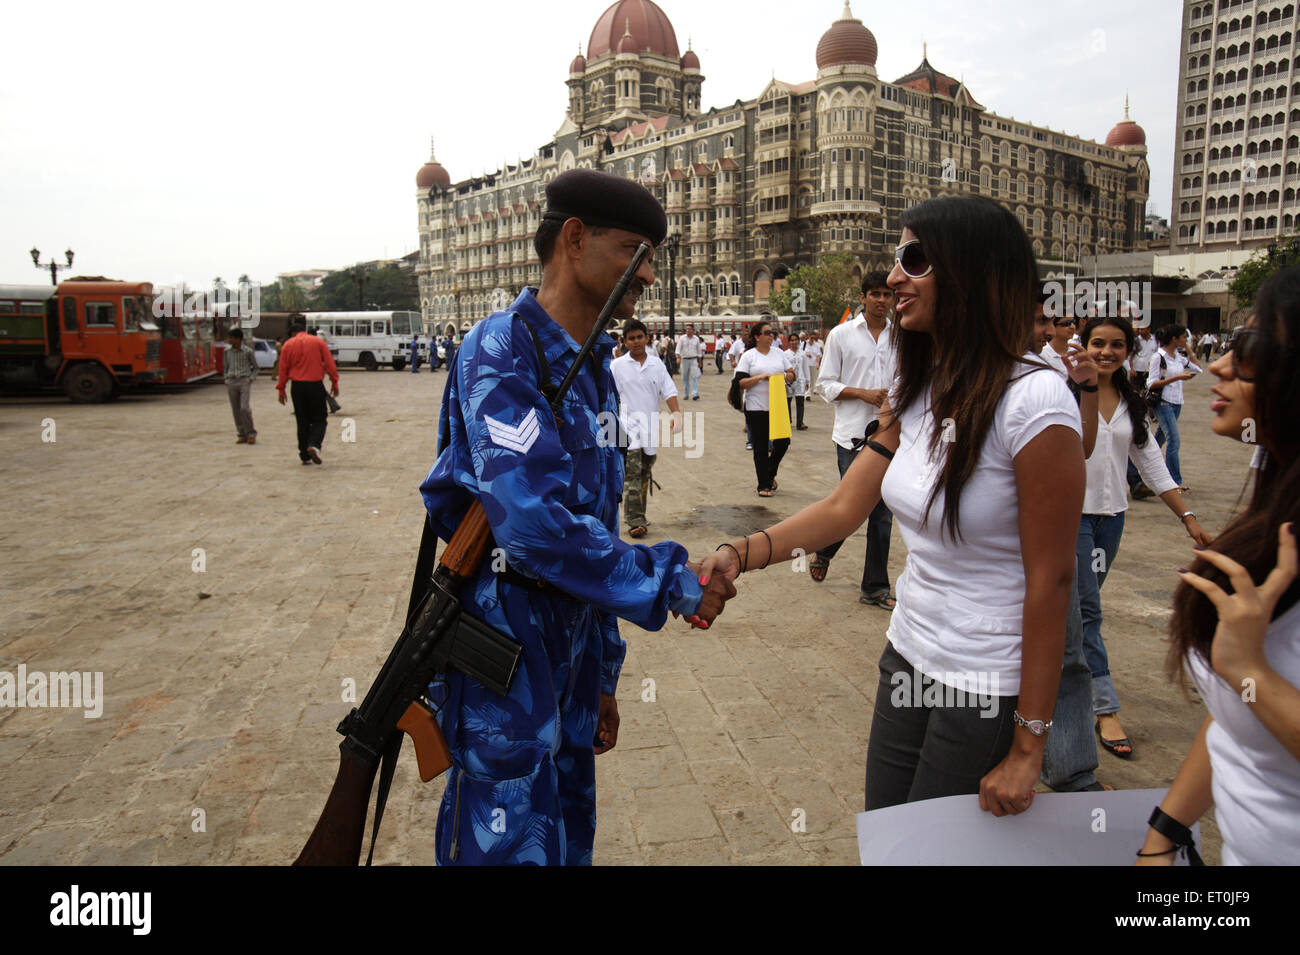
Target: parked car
point(264, 353)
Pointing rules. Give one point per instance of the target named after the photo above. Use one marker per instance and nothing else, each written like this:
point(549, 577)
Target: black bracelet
point(769, 551)
point(733, 550)
point(1175, 832)
point(1090, 389)
point(1149, 855)
point(881, 450)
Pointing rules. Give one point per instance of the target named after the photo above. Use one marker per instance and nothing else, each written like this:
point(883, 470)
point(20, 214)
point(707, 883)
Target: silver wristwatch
point(1037, 727)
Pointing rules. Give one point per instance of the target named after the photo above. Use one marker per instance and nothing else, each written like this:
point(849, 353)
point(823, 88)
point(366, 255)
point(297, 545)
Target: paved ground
point(222, 688)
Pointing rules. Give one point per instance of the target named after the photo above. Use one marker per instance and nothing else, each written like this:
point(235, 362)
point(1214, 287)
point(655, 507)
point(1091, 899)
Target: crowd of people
point(995, 435)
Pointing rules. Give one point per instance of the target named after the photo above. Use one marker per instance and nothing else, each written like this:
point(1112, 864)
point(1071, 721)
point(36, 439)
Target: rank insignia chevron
point(517, 438)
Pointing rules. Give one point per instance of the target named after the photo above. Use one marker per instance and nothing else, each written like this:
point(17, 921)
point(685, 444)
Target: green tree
point(270, 298)
point(292, 297)
point(823, 290)
point(386, 289)
point(1252, 274)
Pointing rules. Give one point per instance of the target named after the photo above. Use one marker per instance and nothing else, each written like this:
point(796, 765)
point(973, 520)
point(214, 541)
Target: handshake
point(716, 574)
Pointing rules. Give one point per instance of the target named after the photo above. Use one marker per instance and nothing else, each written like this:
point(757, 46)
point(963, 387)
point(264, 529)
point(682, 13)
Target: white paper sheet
point(1092, 828)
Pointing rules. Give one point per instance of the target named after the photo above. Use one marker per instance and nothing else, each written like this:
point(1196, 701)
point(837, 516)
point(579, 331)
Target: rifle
point(437, 637)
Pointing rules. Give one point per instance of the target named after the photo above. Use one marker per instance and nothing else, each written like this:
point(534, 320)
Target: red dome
point(690, 61)
point(627, 44)
point(431, 174)
point(648, 25)
point(1127, 133)
point(579, 64)
point(846, 42)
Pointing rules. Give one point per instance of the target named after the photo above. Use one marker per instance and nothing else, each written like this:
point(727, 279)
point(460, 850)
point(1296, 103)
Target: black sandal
point(1113, 746)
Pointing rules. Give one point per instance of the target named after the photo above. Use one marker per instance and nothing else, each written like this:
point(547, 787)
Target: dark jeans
point(923, 752)
point(875, 570)
point(1070, 756)
point(765, 462)
point(309, 408)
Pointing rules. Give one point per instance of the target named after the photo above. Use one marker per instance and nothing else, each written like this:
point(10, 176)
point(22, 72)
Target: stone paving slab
point(222, 688)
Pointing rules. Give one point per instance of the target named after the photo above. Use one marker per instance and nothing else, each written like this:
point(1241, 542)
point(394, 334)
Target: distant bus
point(89, 337)
point(193, 345)
point(368, 339)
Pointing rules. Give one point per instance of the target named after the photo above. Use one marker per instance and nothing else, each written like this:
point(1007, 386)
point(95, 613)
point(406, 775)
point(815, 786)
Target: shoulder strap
point(545, 384)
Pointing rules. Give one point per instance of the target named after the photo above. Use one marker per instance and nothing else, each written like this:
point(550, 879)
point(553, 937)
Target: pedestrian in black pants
point(761, 362)
point(305, 360)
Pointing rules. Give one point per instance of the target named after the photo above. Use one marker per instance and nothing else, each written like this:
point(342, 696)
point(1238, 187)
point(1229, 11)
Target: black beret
point(605, 201)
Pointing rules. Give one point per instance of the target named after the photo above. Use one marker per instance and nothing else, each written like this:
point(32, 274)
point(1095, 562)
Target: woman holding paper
point(979, 455)
point(767, 370)
point(1236, 624)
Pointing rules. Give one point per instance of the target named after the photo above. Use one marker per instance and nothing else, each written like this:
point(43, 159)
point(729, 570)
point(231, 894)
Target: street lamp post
point(360, 278)
point(671, 244)
point(51, 265)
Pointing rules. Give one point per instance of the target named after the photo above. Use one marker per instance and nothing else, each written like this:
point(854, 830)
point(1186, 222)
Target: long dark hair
point(751, 338)
point(1251, 537)
point(1137, 408)
point(986, 276)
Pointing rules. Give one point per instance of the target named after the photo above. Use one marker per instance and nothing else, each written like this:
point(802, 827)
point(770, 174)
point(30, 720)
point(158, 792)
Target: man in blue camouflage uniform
point(522, 784)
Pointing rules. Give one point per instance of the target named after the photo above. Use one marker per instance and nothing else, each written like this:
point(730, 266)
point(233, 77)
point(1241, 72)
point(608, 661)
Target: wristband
point(1185, 515)
point(1177, 833)
point(1090, 389)
point(881, 450)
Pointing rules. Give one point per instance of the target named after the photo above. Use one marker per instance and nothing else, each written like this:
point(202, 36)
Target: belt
point(512, 576)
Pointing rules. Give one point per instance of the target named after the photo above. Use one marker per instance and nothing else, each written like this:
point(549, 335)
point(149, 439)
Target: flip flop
point(885, 600)
point(1114, 746)
point(817, 569)
point(765, 493)
point(638, 531)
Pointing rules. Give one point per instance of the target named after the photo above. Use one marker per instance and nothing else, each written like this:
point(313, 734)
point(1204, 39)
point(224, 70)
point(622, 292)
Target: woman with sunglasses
point(1122, 434)
point(1242, 649)
point(760, 362)
point(1166, 373)
point(981, 462)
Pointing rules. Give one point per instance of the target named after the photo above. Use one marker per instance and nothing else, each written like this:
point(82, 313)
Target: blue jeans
point(875, 570)
point(1070, 757)
point(1095, 551)
point(1167, 415)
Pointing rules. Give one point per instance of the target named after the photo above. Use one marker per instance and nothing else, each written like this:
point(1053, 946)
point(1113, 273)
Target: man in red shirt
point(306, 359)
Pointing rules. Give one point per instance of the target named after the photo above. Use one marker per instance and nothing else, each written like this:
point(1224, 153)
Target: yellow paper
point(778, 415)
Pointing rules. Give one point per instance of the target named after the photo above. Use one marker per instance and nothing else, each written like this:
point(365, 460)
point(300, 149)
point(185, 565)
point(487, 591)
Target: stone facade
point(758, 188)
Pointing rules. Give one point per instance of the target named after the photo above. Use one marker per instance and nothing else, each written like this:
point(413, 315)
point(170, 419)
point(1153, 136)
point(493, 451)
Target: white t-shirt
point(857, 359)
point(1256, 781)
point(754, 363)
point(1049, 355)
point(736, 350)
point(802, 362)
point(689, 347)
point(1172, 392)
point(640, 388)
point(1143, 349)
point(960, 604)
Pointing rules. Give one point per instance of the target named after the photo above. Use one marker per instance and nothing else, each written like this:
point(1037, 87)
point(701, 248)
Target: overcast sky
point(172, 141)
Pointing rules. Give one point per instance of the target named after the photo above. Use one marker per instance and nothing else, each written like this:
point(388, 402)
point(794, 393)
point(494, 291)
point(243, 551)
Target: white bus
point(368, 339)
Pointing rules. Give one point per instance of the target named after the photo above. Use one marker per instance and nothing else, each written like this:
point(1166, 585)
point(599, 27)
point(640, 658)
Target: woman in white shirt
point(1167, 371)
point(802, 360)
point(1121, 434)
point(982, 466)
point(763, 360)
point(1243, 651)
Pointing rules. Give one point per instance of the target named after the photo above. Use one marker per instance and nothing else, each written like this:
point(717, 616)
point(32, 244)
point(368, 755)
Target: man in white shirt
point(855, 378)
point(642, 380)
point(690, 351)
point(735, 351)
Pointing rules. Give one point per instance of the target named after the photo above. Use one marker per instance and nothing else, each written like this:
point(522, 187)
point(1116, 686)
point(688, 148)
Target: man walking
point(240, 371)
point(856, 375)
point(306, 360)
point(690, 349)
point(642, 382)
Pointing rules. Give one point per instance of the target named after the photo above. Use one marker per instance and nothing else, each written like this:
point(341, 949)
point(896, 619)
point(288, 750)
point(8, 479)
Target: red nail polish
point(704, 581)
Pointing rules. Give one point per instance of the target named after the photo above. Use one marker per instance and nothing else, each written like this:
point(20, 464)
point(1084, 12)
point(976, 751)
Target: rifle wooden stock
point(336, 840)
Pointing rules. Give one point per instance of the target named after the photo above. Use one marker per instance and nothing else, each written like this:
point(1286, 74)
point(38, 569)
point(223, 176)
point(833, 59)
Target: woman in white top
point(982, 466)
point(1243, 650)
point(1121, 434)
point(1167, 371)
point(763, 360)
point(802, 360)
